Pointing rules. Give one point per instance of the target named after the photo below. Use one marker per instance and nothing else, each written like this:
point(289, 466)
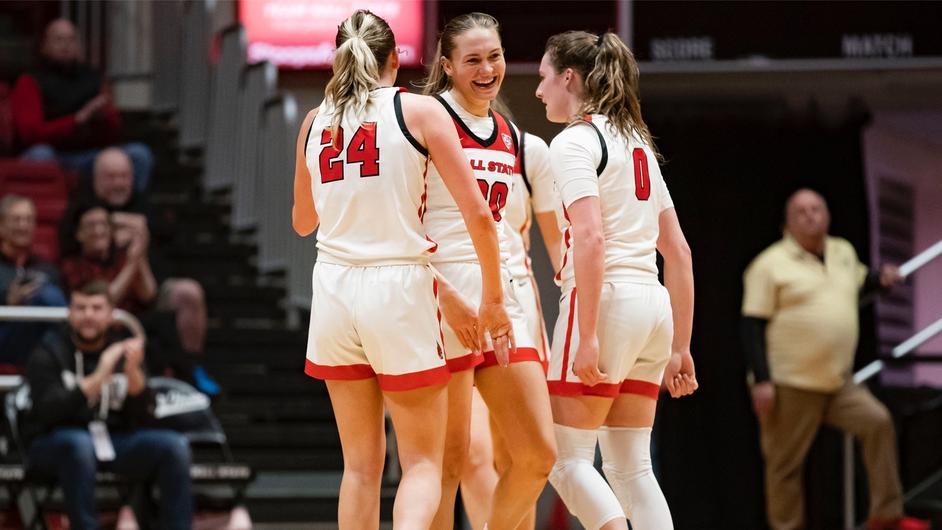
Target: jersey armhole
point(604, 161)
point(523, 162)
point(311, 128)
point(397, 105)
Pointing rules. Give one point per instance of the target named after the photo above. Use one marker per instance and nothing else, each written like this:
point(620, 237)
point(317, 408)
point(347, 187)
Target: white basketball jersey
point(533, 186)
point(491, 147)
point(591, 159)
point(369, 194)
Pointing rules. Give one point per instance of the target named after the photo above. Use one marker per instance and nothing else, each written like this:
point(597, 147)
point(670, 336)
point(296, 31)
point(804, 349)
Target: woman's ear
point(446, 66)
point(393, 59)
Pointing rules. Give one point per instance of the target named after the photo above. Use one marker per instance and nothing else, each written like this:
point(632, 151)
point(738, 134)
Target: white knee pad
point(581, 487)
point(626, 461)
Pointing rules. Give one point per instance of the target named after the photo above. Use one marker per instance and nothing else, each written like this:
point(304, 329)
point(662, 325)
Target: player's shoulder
point(578, 133)
point(534, 142)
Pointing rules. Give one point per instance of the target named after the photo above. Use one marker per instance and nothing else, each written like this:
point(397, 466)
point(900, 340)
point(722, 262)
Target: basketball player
point(532, 196)
point(618, 327)
point(375, 335)
point(465, 79)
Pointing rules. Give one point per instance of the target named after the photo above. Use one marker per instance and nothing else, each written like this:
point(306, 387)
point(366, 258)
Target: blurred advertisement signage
point(300, 33)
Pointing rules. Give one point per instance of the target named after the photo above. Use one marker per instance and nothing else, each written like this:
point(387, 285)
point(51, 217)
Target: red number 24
point(362, 150)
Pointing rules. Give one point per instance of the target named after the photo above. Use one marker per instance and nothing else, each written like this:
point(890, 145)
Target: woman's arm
point(589, 262)
point(304, 217)
point(680, 377)
point(551, 237)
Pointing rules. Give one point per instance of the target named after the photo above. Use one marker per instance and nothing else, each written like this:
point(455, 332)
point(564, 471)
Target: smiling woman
point(465, 79)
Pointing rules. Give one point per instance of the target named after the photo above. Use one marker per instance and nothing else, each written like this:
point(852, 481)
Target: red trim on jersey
point(422, 208)
point(520, 356)
point(465, 362)
point(348, 372)
point(573, 389)
point(567, 238)
point(641, 388)
point(401, 382)
point(568, 343)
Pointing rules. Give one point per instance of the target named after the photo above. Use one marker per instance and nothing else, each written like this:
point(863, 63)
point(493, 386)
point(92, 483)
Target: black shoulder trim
point(308, 139)
point(604, 161)
point(457, 119)
point(397, 105)
point(523, 162)
point(513, 135)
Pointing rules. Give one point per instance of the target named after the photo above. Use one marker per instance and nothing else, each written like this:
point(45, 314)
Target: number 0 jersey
point(590, 159)
point(491, 147)
point(369, 194)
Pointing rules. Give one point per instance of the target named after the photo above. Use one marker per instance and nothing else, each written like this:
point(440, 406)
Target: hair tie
point(598, 42)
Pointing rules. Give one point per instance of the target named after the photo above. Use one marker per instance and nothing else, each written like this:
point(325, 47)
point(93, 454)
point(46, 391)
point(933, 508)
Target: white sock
point(626, 461)
point(578, 484)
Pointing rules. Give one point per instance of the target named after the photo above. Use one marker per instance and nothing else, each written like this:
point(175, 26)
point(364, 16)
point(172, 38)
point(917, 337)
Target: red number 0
point(362, 150)
point(496, 196)
point(642, 179)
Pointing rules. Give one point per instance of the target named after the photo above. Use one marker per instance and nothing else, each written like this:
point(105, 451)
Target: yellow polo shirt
point(811, 308)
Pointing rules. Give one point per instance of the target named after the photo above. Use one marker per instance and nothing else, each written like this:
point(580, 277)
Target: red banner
point(301, 33)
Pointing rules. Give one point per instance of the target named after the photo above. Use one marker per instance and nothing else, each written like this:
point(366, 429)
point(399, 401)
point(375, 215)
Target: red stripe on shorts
point(521, 355)
point(572, 389)
point(347, 373)
point(465, 362)
point(438, 309)
point(568, 343)
point(641, 388)
point(401, 382)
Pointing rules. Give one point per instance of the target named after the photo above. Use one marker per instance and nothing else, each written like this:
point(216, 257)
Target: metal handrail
point(875, 367)
point(55, 314)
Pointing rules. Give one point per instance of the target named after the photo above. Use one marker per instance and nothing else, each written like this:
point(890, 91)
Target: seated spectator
point(112, 185)
point(132, 286)
point(63, 110)
point(91, 408)
point(25, 280)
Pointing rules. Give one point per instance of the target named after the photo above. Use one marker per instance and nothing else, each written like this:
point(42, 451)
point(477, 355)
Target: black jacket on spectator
point(34, 266)
point(57, 399)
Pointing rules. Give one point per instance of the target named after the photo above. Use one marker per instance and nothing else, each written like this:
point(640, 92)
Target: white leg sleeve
point(626, 461)
point(580, 486)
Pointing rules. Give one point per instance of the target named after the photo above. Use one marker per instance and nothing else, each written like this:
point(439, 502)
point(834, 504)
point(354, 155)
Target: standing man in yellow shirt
point(800, 329)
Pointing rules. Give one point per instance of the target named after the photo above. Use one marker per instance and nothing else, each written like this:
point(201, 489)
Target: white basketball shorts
point(380, 322)
point(635, 331)
point(466, 278)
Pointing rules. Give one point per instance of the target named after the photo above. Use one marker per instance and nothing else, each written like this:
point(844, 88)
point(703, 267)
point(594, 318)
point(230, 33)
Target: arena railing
point(274, 186)
point(194, 72)
point(224, 119)
point(168, 81)
point(874, 368)
point(257, 84)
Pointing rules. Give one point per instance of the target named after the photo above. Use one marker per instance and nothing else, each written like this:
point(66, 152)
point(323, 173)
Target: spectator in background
point(88, 390)
point(25, 280)
point(63, 109)
point(800, 329)
point(133, 286)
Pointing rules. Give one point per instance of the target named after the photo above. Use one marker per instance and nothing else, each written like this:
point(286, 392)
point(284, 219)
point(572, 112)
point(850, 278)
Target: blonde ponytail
point(364, 42)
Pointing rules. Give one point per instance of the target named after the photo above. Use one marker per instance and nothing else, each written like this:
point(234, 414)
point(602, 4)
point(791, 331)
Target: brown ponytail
point(364, 42)
point(610, 78)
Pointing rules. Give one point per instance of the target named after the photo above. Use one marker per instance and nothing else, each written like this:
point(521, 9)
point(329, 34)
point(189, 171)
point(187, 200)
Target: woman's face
point(476, 65)
point(94, 232)
point(553, 91)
